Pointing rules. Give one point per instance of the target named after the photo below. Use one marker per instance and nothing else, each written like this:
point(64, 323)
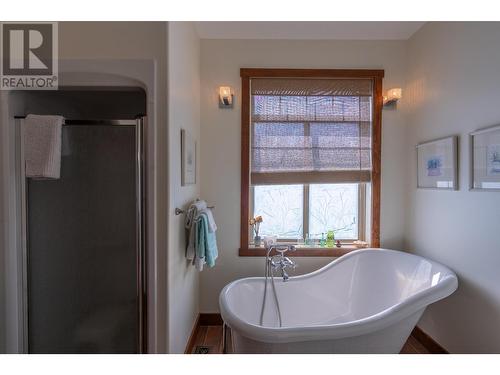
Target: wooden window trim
point(249, 73)
point(300, 252)
point(306, 73)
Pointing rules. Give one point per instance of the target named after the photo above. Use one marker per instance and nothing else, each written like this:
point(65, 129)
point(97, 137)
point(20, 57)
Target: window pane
point(281, 209)
point(333, 206)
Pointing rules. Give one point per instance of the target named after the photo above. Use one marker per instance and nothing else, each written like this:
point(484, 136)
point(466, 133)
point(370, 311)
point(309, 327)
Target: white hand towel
point(42, 145)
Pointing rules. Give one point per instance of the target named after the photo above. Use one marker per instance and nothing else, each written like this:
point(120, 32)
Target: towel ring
point(178, 211)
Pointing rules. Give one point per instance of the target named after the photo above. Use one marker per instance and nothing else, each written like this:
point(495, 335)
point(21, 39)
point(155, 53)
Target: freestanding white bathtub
point(367, 301)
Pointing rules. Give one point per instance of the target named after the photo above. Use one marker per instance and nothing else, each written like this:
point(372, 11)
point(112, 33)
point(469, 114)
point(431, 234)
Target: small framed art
point(485, 159)
point(188, 159)
point(437, 164)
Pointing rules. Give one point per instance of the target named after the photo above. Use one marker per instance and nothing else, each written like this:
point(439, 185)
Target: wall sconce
point(225, 97)
point(392, 96)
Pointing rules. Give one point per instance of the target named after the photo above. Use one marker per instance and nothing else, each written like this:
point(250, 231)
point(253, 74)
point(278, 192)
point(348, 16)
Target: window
point(336, 206)
point(282, 208)
point(310, 155)
point(329, 207)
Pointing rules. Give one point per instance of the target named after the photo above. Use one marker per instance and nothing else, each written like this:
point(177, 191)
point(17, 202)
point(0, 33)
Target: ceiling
point(308, 30)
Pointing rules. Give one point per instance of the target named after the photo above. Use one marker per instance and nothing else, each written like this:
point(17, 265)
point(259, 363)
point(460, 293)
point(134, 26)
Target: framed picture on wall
point(188, 159)
point(437, 164)
point(485, 159)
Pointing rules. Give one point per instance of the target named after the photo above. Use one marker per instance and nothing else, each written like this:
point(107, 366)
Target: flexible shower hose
point(269, 272)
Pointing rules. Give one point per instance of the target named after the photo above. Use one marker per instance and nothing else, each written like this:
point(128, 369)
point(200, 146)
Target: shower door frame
point(140, 179)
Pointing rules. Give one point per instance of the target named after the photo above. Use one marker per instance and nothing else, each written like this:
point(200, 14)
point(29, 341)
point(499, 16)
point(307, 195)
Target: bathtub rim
point(383, 319)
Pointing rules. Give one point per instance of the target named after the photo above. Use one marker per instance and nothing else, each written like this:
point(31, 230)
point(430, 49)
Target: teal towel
point(206, 242)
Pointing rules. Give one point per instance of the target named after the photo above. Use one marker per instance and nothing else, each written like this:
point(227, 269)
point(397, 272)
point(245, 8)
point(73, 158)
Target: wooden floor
point(208, 340)
point(413, 346)
point(208, 337)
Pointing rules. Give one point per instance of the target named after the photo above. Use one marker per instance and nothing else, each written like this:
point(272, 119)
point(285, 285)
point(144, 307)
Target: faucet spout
point(284, 263)
point(280, 261)
point(284, 275)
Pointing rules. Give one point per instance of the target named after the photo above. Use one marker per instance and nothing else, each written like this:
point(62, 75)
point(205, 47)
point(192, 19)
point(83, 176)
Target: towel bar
point(178, 211)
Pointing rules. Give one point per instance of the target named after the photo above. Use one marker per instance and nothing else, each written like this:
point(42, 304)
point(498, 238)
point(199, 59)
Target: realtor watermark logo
point(29, 56)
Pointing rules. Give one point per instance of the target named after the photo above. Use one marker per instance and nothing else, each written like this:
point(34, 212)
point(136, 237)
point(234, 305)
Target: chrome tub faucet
point(280, 261)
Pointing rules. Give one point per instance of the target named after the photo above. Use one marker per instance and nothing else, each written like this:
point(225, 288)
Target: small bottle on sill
point(300, 241)
point(330, 239)
point(322, 242)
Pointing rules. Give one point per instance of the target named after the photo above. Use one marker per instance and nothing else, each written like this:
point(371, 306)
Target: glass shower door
point(83, 245)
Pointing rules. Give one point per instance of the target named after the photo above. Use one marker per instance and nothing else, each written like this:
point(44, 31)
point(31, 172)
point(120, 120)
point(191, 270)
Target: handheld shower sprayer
point(273, 263)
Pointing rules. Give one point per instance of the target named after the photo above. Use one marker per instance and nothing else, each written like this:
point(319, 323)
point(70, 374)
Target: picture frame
point(437, 164)
point(484, 158)
point(188, 159)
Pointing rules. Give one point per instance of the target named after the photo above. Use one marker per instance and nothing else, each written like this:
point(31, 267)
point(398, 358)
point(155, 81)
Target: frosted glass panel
point(333, 207)
point(82, 270)
point(281, 209)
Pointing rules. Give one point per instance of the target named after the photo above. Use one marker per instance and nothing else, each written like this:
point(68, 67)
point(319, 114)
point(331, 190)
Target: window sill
point(300, 252)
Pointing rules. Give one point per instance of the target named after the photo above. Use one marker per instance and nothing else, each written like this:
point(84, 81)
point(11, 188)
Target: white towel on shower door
point(42, 146)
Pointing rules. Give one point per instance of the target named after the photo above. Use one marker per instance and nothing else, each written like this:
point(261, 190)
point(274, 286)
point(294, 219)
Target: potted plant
point(255, 224)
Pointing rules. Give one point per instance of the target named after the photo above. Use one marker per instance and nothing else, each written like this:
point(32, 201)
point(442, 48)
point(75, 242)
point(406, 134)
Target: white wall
point(110, 43)
point(453, 89)
point(184, 113)
point(220, 133)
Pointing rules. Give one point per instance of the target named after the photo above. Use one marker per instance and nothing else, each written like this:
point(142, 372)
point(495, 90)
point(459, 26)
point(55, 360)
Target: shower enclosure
point(84, 252)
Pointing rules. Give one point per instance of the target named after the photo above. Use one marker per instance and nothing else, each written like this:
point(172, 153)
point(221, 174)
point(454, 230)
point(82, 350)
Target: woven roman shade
point(311, 130)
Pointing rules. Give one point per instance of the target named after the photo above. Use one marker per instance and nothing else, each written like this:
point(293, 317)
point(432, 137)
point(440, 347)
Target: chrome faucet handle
point(287, 262)
point(274, 263)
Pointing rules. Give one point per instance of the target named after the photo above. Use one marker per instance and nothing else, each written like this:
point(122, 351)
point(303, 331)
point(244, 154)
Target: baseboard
point(192, 337)
point(430, 344)
point(215, 319)
point(212, 319)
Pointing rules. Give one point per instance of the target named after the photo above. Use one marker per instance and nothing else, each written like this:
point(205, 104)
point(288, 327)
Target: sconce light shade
point(225, 97)
point(393, 95)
